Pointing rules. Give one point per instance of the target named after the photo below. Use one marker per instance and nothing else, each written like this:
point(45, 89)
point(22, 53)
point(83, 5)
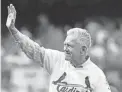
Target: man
point(71, 70)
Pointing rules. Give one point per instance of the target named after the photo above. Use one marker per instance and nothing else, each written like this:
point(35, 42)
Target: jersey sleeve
point(51, 58)
point(102, 85)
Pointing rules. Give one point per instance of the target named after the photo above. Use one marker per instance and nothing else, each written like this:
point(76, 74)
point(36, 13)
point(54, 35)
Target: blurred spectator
point(97, 54)
point(101, 37)
point(114, 47)
point(2, 52)
point(18, 80)
point(18, 58)
point(26, 32)
point(66, 27)
point(113, 89)
point(78, 24)
point(121, 83)
point(93, 27)
point(55, 38)
point(113, 78)
point(98, 51)
point(29, 79)
point(49, 35)
point(43, 25)
point(9, 44)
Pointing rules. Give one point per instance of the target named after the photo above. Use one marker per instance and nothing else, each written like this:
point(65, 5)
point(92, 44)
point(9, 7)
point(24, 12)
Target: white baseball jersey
point(63, 76)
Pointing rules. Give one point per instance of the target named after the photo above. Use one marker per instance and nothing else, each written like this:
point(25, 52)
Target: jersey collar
point(84, 64)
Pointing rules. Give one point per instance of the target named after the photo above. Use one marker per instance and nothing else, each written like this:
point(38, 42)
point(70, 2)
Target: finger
point(14, 12)
point(8, 10)
point(11, 8)
point(11, 5)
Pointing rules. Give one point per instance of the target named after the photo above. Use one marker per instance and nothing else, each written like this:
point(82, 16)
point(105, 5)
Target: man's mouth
point(68, 54)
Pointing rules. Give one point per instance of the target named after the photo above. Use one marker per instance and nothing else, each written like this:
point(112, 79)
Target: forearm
point(16, 34)
point(28, 46)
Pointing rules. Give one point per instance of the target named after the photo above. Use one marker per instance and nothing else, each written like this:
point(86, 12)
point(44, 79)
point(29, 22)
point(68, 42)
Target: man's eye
point(68, 45)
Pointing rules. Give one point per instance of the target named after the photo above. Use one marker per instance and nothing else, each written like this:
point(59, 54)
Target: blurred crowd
point(20, 74)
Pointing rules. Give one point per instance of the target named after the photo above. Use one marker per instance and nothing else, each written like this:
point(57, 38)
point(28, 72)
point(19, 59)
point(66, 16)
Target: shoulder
point(96, 74)
point(52, 51)
point(95, 71)
point(56, 54)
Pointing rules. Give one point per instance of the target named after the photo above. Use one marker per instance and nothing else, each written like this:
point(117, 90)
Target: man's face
point(72, 49)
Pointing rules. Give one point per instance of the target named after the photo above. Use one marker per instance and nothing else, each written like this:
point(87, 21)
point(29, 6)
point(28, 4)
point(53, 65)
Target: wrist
point(12, 29)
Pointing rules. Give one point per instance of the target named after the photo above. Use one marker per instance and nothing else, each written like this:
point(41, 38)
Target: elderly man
point(71, 70)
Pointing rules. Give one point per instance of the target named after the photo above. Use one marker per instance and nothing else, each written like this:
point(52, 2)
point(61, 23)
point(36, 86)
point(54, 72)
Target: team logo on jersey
point(63, 86)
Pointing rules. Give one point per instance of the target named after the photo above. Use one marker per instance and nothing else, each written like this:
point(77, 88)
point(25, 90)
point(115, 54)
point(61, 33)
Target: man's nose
point(66, 48)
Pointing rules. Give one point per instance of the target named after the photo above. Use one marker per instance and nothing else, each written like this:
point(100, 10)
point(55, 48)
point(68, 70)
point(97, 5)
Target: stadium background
point(46, 22)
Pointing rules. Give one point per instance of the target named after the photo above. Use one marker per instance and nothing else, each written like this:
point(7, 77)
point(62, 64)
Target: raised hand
point(10, 23)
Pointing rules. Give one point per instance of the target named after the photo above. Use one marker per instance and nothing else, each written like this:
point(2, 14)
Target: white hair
point(83, 37)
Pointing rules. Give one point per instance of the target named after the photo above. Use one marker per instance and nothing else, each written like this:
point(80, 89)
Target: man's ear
point(83, 50)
